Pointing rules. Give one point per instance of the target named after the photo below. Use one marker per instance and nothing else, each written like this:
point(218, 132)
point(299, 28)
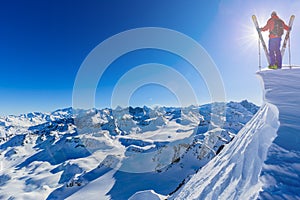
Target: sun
point(248, 39)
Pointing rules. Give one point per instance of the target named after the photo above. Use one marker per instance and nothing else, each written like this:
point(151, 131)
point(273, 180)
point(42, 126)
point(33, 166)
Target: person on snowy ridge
point(276, 26)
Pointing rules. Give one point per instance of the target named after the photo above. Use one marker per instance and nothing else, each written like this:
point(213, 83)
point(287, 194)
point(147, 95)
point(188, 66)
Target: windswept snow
point(263, 160)
point(280, 175)
point(233, 174)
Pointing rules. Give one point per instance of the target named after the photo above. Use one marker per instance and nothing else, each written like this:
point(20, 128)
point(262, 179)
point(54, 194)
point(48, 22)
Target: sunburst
point(248, 40)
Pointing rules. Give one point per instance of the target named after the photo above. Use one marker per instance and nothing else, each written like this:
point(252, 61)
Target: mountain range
point(113, 153)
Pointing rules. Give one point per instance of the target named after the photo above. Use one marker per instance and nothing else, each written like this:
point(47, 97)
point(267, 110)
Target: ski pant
point(274, 52)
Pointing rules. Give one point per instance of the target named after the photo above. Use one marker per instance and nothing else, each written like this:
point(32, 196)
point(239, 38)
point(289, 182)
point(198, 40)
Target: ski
point(287, 36)
point(261, 37)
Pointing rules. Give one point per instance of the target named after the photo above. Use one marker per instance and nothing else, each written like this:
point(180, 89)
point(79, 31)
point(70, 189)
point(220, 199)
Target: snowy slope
point(110, 154)
point(263, 160)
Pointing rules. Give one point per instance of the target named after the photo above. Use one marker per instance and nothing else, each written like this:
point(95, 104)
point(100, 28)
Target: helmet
point(273, 13)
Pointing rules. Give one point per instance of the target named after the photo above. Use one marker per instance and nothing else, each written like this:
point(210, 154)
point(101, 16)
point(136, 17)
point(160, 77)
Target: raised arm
point(286, 27)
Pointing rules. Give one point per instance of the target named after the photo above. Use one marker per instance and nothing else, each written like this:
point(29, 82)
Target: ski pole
point(259, 55)
point(290, 52)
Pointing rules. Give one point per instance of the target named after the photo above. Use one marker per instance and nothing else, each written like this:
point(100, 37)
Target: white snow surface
point(148, 194)
point(263, 160)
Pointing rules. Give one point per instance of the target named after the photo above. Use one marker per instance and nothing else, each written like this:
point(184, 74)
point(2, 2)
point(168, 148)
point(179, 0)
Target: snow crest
point(233, 174)
point(280, 175)
point(263, 160)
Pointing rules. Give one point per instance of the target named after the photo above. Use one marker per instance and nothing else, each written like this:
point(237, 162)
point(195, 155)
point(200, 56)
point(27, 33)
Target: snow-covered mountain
point(111, 154)
point(263, 160)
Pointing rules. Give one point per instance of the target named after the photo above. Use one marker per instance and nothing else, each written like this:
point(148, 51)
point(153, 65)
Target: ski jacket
point(270, 25)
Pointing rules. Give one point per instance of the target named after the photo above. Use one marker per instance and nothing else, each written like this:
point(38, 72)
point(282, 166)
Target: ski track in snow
point(263, 160)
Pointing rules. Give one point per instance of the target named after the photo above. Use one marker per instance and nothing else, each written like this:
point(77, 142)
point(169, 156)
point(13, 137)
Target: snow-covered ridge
point(281, 171)
point(263, 160)
point(68, 153)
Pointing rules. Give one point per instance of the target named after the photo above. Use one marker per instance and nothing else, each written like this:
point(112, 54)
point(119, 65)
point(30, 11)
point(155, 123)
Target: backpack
point(278, 28)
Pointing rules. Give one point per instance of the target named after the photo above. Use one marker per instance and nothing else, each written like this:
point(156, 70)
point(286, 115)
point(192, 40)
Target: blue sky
point(43, 44)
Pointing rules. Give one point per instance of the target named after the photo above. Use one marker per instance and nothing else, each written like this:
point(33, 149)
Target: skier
point(275, 25)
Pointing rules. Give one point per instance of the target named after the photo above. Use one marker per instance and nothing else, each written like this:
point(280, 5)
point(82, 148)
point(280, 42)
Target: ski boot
point(273, 67)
